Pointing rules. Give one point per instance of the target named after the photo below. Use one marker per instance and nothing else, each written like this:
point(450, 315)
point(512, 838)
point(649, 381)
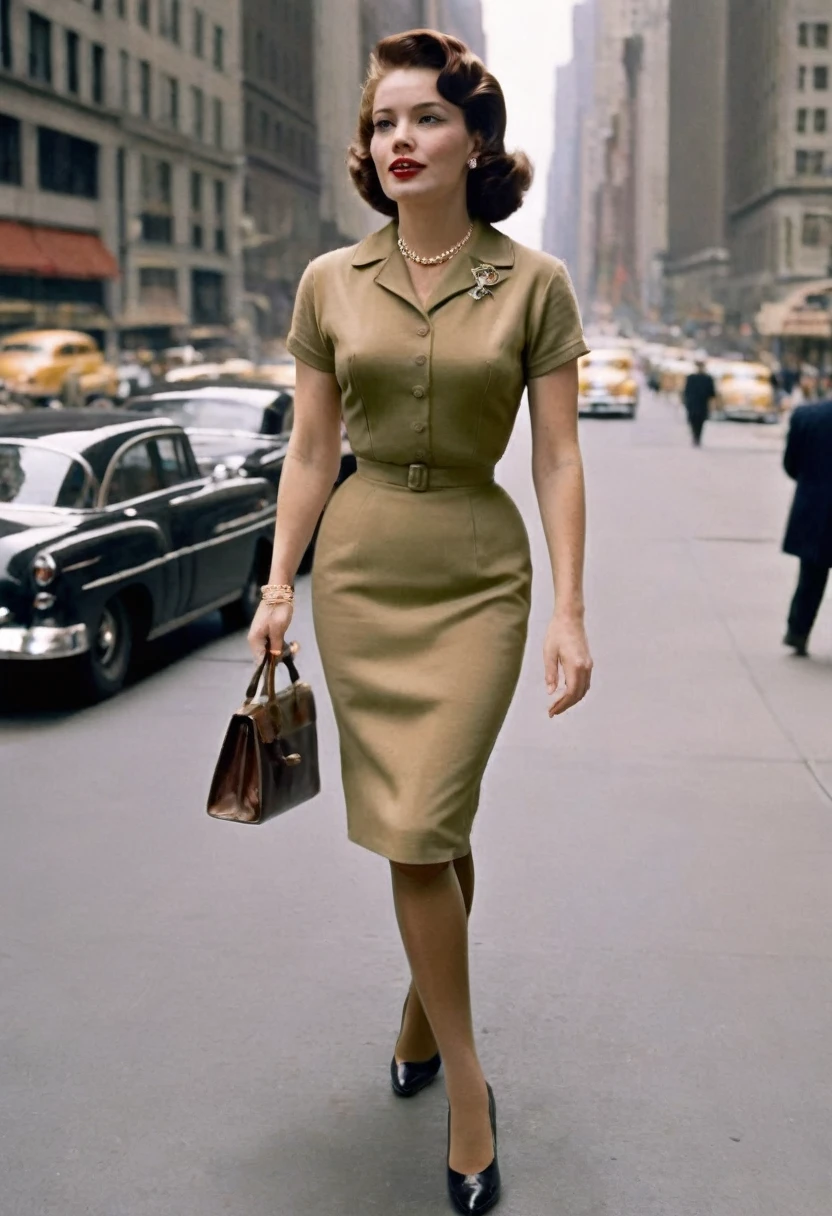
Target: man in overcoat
point(808, 461)
point(698, 396)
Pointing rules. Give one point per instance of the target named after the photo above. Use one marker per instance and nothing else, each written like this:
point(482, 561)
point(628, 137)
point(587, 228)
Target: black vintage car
point(111, 534)
point(243, 427)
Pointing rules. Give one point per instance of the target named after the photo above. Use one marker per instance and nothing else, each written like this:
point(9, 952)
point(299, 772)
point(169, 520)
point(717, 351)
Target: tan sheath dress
point(422, 578)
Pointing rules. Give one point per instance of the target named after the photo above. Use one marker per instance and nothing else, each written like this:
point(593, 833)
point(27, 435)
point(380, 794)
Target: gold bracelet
point(277, 593)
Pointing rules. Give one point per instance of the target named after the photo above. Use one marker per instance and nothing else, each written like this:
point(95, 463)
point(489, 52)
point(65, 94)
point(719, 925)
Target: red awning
point(57, 253)
point(19, 251)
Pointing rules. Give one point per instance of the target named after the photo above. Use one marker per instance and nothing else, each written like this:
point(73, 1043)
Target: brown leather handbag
point(269, 758)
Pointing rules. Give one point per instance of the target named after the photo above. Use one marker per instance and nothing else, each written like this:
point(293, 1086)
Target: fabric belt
point(421, 477)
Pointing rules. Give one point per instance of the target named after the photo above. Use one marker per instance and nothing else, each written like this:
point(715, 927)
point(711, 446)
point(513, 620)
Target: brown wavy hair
point(497, 186)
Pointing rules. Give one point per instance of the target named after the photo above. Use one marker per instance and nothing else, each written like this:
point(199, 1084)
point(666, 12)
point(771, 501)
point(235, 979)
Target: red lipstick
point(404, 168)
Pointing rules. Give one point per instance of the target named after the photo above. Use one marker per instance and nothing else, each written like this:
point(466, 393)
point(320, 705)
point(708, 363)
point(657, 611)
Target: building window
point(820, 122)
point(788, 243)
point(218, 123)
point(821, 77)
point(40, 48)
point(801, 78)
point(73, 72)
point(170, 97)
point(199, 33)
point(98, 74)
point(157, 200)
point(803, 34)
point(809, 163)
point(816, 230)
point(159, 285)
point(170, 20)
point(264, 129)
point(10, 159)
point(197, 231)
point(198, 108)
point(121, 8)
point(208, 297)
point(5, 34)
point(124, 80)
point(822, 35)
point(145, 90)
point(196, 191)
point(66, 164)
point(143, 13)
point(219, 48)
point(98, 6)
point(802, 120)
point(220, 244)
point(249, 123)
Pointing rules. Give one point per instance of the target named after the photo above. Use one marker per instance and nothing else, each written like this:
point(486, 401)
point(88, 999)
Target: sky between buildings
point(526, 39)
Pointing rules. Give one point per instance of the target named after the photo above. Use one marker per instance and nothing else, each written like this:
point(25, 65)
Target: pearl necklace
point(407, 252)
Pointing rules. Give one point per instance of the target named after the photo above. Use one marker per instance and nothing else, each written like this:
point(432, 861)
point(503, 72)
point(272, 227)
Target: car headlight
point(44, 569)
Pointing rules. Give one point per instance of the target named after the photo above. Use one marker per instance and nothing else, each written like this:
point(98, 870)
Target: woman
point(425, 335)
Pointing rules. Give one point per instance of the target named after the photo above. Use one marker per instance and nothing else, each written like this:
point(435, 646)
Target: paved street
point(197, 1018)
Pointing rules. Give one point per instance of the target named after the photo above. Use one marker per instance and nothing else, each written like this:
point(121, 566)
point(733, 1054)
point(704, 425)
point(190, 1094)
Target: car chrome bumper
point(43, 641)
point(592, 404)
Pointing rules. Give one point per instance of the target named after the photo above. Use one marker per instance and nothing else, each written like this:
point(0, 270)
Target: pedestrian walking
point(699, 393)
point(426, 334)
point(808, 461)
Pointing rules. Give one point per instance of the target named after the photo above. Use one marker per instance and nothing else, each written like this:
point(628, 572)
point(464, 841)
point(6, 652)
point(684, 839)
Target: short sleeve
point(555, 332)
point(306, 340)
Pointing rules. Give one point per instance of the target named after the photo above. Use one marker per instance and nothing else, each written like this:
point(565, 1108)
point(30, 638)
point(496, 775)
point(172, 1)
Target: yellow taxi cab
point(607, 382)
point(40, 363)
point(745, 391)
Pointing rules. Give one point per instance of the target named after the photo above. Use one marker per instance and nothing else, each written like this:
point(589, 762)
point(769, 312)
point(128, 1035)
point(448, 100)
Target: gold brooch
point(486, 276)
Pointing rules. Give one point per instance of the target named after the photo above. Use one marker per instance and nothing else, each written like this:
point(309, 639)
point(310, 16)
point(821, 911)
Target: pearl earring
point(472, 163)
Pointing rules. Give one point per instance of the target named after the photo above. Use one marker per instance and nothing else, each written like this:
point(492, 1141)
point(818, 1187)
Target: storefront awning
point(806, 313)
point(57, 253)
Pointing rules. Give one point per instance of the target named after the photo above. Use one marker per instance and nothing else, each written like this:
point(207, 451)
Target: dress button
point(423, 331)
point(421, 360)
point(421, 453)
point(418, 391)
point(418, 426)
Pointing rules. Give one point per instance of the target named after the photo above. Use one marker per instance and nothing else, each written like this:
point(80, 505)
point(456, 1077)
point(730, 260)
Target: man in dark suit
point(700, 391)
point(808, 461)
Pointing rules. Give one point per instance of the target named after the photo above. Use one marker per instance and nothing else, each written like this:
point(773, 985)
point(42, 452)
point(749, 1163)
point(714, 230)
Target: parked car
point(607, 382)
point(242, 427)
point(42, 365)
point(111, 534)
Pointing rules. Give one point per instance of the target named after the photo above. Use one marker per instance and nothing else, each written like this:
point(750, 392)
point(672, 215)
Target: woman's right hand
point(268, 629)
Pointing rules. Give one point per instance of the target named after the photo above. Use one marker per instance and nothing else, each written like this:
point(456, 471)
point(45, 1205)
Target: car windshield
point(32, 476)
point(211, 412)
point(23, 348)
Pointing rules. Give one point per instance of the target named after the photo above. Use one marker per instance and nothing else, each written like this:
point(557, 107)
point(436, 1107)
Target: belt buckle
point(417, 477)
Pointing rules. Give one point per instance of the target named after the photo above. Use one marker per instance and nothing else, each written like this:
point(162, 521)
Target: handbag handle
point(269, 663)
point(271, 709)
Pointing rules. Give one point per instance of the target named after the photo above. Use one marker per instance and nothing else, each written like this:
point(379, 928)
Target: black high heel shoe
point(408, 1079)
point(475, 1193)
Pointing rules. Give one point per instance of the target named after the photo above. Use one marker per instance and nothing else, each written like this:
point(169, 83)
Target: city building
point(379, 18)
point(340, 67)
point(281, 223)
point(697, 255)
point(119, 168)
point(651, 156)
point(566, 222)
point(462, 18)
point(779, 162)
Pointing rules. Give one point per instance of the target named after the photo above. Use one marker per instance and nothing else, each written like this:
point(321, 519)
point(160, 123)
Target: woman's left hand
point(566, 650)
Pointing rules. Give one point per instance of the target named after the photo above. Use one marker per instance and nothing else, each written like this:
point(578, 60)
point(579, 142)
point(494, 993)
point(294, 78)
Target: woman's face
point(420, 144)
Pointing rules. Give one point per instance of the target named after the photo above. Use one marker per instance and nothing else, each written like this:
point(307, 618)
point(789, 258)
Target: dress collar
point(487, 245)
